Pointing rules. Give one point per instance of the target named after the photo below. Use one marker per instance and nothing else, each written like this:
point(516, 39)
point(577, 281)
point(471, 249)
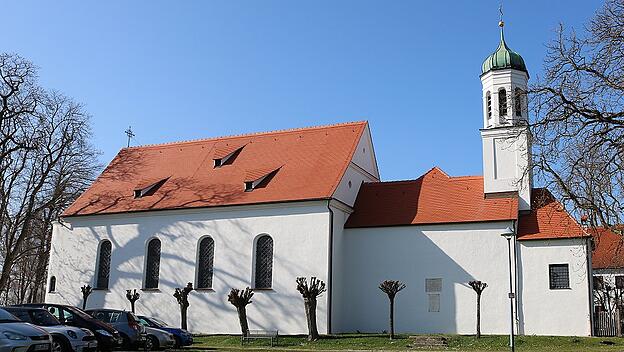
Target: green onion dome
point(503, 58)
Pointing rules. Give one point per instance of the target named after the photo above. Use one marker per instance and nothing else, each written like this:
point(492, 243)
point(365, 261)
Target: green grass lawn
point(371, 342)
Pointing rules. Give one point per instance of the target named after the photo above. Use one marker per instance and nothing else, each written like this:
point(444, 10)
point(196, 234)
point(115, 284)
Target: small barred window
point(104, 265)
point(264, 262)
point(52, 287)
point(488, 104)
point(559, 276)
point(205, 262)
point(502, 105)
point(152, 270)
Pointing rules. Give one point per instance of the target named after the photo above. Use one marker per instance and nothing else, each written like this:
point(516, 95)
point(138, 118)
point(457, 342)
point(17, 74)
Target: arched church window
point(518, 97)
point(52, 286)
point(502, 104)
point(152, 269)
point(488, 104)
point(264, 262)
point(103, 265)
point(205, 259)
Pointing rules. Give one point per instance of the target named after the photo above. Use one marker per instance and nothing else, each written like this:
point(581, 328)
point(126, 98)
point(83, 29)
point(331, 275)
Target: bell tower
point(505, 136)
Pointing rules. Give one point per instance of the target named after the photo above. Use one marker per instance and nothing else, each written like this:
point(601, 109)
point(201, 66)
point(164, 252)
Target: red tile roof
point(609, 250)
point(433, 198)
point(548, 219)
point(312, 160)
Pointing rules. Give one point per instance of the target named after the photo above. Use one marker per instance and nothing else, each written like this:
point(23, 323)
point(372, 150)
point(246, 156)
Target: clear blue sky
point(181, 70)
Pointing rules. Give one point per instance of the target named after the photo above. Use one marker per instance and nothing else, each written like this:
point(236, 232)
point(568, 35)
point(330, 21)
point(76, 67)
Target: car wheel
point(59, 345)
point(152, 343)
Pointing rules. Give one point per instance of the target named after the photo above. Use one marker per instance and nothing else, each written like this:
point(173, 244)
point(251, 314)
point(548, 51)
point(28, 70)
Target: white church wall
point(554, 312)
point(299, 231)
point(364, 155)
point(455, 253)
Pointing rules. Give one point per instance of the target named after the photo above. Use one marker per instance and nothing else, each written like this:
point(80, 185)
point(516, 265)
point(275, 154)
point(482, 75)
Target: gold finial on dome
point(501, 23)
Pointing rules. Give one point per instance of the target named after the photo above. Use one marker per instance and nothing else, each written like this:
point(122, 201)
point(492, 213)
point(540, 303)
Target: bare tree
point(578, 123)
point(46, 160)
point(310, 294)
point(478, 287)
point(240, 299)
point(86, 292)
point(132, 297)
point(181, 294)
point(391, 288)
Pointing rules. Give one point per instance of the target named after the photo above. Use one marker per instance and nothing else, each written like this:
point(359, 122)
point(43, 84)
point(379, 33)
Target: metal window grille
point(205, 263)
point(559, 276)
point(104, 265)
point(619, 282)
point(489, 105)
point(264, 262)
point(518, 102)
point(433, 285)
point(152, 272)
point(434, 302)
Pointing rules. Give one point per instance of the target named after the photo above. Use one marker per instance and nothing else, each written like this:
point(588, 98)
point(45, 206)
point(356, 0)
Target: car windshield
point(43, 318)
point(6, 317)
point(159, 322)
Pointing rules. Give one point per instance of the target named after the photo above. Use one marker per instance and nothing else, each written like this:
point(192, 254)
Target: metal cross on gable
point(130, 134)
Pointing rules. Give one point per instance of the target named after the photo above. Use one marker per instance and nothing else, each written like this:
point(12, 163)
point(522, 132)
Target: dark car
point(108, 337)
point(128, 325)
point(182, 337)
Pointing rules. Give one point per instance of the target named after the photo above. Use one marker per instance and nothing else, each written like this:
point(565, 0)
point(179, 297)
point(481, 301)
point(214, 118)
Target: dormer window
point(225, 155)
point(148, 188)
point(259, 178)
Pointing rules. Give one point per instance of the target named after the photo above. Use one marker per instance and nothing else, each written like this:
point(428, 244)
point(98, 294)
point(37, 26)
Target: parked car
point(182, 337)
point(107, 337)
point(16, 335)
point(158, 339)
point(64, 338)
point(132, 332)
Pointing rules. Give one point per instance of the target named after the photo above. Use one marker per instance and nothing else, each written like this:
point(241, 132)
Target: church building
point(262, 209)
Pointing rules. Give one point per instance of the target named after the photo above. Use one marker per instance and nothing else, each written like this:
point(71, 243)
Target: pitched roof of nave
point(289, 165)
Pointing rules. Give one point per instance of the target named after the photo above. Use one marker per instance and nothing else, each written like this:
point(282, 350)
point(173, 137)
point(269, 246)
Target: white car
point(18, 336)
point(64, 338)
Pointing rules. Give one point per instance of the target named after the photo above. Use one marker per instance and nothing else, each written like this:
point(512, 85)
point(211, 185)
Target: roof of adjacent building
point(609, 249)
point(433, 198)
point(437, 198)
point(303, 164)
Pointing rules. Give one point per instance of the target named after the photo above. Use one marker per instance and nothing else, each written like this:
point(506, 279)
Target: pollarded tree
point(310, 294)
point(132, 297)
point(181, 294)
point(240, 299)
point(391, 288)
point(86, 291)
point(478, 287)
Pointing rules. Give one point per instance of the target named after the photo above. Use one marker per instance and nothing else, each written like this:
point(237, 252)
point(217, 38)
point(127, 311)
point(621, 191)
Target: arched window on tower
point(52, 286)
point(103, 265)
point(502, 105)
point(152, 263)
point(518, 100)
point(205, 259)
point(263, 278)
point(488, 105)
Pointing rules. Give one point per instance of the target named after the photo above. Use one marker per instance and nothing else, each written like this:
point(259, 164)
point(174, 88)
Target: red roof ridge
point(251, 134)
point(459, 178)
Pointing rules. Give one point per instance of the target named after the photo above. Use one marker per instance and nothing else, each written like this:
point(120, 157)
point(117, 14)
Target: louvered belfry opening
point(152, 271)
point(104, 265)
point(205, 263)
point(264, 262)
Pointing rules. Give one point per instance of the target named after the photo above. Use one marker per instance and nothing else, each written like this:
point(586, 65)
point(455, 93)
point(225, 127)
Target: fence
point(608, 323)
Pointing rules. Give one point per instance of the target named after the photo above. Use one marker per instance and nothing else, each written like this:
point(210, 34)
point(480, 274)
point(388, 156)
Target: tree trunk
point(242, 318)
point(132, 307)
point(182, 313)
point(478, 315)
point(84, 303)
point(391, 318)
point(310, 309)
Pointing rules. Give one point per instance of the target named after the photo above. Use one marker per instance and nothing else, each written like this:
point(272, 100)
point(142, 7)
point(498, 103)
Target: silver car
point(64, 338)
point(17, 336)
point(159, 339)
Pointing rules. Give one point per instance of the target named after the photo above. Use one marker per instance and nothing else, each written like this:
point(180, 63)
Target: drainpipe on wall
point(516, 278)
point(330, 268)
point(590, 282)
